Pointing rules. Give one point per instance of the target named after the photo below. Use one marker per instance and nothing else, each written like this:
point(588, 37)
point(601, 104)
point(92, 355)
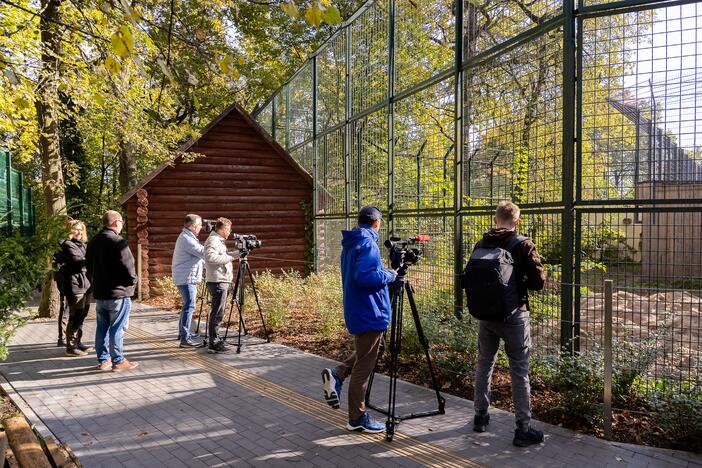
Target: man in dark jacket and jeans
point(367, 316)
point(514, 331)
point(111, 270)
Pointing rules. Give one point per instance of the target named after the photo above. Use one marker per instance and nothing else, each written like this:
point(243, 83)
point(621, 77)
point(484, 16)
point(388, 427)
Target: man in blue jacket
point(186, 268)
point(367, 316)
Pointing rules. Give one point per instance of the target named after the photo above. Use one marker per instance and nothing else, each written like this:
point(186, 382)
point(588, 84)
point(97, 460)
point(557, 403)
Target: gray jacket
point(218, 263)
point(186, 266)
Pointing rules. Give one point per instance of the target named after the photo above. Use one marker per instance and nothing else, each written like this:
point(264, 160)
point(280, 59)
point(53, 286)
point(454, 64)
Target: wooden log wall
point(240, 177)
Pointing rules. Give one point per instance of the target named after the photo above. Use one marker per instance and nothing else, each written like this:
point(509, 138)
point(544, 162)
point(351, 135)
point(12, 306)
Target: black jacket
point(110, 266)
point(526, 261)
point(74, 278)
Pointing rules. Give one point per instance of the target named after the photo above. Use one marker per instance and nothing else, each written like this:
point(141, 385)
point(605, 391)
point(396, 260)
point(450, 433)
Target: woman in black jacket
point(76, 288)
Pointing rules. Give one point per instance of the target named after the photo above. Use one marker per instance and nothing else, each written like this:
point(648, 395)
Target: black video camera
point(246, 242)
point(405, 252)
point(208, 225)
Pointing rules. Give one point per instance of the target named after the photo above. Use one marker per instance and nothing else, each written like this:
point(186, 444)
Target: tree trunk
point(46, 104)
point(127, 166)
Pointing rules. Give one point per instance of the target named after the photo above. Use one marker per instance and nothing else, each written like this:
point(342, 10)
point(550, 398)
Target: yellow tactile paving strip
point(402, 444)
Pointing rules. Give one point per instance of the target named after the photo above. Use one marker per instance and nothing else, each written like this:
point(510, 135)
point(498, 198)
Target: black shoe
point(60, 343)
point(83, 347)
point(480, 422)
point(218, 347)
point(75, 352)
point(526, 438)
point(190, 344)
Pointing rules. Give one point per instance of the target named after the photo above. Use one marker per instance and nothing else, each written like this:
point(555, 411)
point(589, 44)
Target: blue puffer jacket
point(365, 282)
point(187, 263)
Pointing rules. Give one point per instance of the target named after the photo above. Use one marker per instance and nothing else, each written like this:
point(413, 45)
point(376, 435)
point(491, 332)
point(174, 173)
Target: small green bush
point(681, 418)
point(23, 263)
point(278, 294)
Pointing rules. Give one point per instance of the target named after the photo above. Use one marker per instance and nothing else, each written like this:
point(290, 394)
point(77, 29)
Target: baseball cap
point(370, 212)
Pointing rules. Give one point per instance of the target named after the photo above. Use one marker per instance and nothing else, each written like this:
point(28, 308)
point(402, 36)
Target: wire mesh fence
point(586, 117)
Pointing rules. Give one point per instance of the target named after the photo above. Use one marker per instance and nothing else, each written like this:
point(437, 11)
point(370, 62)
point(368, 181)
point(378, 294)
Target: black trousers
point(77, 312)
point(218, 296)
point(63, 314)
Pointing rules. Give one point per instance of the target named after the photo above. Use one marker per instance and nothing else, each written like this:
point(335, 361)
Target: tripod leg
point(242, 324)
point(258, 304)
point(203, 300)
point(232, 302)
point(395, 346)
point(425, 344)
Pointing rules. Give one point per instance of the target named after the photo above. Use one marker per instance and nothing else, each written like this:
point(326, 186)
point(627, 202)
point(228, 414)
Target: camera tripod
point(238, 296)
point(203, 296)
point(397, 293)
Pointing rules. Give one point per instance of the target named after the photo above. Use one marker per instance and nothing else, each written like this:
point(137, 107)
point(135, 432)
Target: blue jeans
point(112, 315)
point(188, 292)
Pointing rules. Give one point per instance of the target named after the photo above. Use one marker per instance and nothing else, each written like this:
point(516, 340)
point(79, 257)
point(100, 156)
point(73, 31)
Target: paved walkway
point(259, 408)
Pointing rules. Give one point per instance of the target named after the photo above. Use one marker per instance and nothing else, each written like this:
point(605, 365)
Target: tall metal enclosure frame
point(582, 111)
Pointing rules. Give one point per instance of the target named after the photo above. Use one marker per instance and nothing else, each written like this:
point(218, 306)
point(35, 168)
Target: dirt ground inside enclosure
point(635, 424)
point(670, 321)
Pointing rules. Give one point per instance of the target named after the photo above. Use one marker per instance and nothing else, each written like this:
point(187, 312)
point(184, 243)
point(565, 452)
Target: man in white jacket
point(186, 268)
point(219, 275)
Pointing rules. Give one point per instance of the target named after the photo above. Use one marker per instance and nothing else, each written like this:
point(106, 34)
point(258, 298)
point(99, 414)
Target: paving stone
point(176, 413)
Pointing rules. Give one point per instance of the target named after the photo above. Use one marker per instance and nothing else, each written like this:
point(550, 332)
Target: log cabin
point(241, 174)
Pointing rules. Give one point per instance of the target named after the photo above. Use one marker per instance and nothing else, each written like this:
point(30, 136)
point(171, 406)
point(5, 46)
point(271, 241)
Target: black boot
point(480, 422)
point(525, 438)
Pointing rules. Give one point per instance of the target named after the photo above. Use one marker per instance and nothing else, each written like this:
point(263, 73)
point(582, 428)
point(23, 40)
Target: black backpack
point(491, 282)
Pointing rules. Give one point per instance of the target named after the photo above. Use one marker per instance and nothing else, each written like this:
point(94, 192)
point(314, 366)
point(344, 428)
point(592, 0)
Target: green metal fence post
point(8, 178)
point(458, 163)
point(348, 130)
point(287, 115)
point(568, 147)
point(391, 117)
point(315, 176)
point(20, 192)
point(273, 118)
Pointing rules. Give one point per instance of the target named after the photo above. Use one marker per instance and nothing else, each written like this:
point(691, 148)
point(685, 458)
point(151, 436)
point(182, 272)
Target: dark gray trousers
point(516, 334)
point(218, 296)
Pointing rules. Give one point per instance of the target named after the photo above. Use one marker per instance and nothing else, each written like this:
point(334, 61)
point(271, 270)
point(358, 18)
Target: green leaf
point(196, 103)
point(112, 65)
point(225, 64)
point(99, 99)
point(290, 9)
point(122, 42)
point(313, 15)
point(331, 15)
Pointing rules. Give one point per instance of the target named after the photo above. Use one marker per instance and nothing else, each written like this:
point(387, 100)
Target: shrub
point(579, 381)
point(165, 292)
point(23, 263)
point(278, 295)
point(681, 418)
point(323, 294)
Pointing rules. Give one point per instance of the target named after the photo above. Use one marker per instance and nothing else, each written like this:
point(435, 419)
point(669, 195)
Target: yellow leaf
point(240, 60)
point(235, 74)
point(290, 9)
point(22, 103)
point(325, 3)
point(196, 103)
point(225, 64)
point(99, 99)
point(112, 65)
point(331, 15)
point(122, 42)
point(313, 15)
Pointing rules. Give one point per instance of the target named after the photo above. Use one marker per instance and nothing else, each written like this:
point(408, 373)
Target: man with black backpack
point(498, 275)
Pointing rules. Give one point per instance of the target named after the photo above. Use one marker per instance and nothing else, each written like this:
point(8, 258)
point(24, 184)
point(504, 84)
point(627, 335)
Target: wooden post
point(24, 443)
point(139, 273)
point(608, 286)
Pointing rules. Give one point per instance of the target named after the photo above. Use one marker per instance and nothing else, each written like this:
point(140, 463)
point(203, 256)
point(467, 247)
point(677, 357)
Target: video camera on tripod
point(208, 225)
point(246, 242)
point(402, 254)
point(405, 252)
